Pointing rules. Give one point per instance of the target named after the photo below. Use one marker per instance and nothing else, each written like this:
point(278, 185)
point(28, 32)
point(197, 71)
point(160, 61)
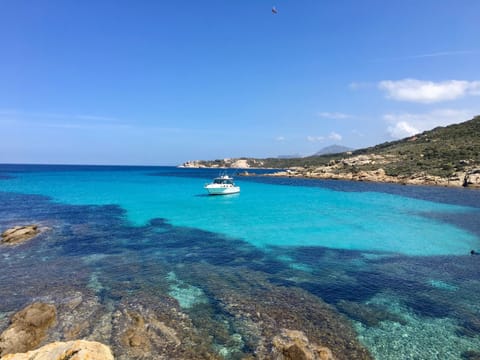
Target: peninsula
point(444, 156)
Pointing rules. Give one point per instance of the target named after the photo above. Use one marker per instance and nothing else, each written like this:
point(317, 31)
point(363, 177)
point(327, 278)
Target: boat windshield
point(222, 181)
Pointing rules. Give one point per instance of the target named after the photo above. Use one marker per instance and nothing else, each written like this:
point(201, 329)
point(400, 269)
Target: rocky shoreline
point(465, 179)
point(353, 168)
point(76, 325)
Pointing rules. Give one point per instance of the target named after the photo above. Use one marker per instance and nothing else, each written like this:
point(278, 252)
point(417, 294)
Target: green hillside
point(442, 152)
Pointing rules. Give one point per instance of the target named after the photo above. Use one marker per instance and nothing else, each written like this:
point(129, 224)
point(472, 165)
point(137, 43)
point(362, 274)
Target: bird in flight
point(274, 10)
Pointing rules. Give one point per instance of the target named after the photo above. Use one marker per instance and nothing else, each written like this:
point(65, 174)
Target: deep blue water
point(401, 249)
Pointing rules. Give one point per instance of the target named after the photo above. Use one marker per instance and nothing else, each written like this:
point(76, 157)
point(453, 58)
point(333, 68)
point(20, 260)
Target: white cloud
point(315, 138)
point(357, 133)
point(428, 91)
point(334, 115)
point(406, 124)
point(334, 136)
point(402, 129)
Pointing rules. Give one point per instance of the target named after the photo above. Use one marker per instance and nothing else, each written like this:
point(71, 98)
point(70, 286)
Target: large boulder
point(27, 329)
point(472, 178)
point(19, 234)
point(72, 350)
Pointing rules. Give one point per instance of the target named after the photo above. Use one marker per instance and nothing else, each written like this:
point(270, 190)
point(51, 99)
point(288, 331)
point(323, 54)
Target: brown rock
point(472, 178)
point(144, 332)
point(294, 345)
point(72, 350)
point(19, 234)
point(27, 329)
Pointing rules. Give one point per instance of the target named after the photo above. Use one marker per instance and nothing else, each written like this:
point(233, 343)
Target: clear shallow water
point(124, 230)
point(264, 214)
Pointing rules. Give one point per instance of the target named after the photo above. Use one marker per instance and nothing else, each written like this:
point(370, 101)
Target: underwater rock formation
point(471, 355)
point(19, 234)
point(369, 315)
point(27, 329)
point(72, 350)
point(294, 345)
point(258, 311)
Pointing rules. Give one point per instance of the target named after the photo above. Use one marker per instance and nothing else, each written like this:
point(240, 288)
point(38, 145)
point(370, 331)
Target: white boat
point(222, 185)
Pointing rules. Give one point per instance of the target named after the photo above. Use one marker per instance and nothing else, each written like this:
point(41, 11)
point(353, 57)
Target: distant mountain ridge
point(289, 156)
point(332, 149)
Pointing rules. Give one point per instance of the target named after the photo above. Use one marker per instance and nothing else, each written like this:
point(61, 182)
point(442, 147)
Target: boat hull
point(222, 190)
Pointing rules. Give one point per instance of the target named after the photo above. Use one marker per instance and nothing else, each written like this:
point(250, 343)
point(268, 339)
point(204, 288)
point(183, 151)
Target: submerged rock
point(19, 234)
point(141, 331)
point(72, 350)
point(27, 329)
point(294, 345)
point(369, 315)
point(258, 311)
point(471, 355)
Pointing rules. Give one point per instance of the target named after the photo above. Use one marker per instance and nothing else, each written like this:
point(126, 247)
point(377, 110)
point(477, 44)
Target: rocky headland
point(444, 156)
point(350, 168)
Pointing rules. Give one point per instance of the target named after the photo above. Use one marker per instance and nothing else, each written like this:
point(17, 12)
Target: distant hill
point(332, 149)
point(289, 156)
point(444, 155)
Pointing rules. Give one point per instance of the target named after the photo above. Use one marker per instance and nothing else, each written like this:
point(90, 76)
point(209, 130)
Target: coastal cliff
point(444, 156)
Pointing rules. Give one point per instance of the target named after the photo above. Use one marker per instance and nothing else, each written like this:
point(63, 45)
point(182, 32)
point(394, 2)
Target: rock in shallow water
point(294, 345)
point(72, 350)
point(27, 329)
point(19, 234)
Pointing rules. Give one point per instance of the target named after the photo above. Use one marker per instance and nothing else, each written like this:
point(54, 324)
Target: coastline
point(465, 180)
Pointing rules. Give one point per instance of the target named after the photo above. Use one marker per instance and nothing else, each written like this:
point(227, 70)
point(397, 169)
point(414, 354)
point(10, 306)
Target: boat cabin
point(223, 181)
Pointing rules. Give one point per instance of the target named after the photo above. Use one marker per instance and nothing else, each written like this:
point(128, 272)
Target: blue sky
point(163, 82)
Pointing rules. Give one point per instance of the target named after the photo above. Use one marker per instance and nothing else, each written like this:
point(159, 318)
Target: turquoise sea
point(391, 262)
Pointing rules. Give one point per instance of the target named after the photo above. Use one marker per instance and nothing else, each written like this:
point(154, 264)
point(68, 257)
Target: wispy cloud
point(427, 92)
point(332, 136)
point(360, 85)
point(95, 118)
point(54, 115)
point(60, 120)
point(334, 115)
point(315, 138)
point(443, 53)
point(280, 138)
point(408, 124)
point(431, 55)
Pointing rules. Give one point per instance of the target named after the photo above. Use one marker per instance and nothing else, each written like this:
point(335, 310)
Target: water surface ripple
point(394, 260)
